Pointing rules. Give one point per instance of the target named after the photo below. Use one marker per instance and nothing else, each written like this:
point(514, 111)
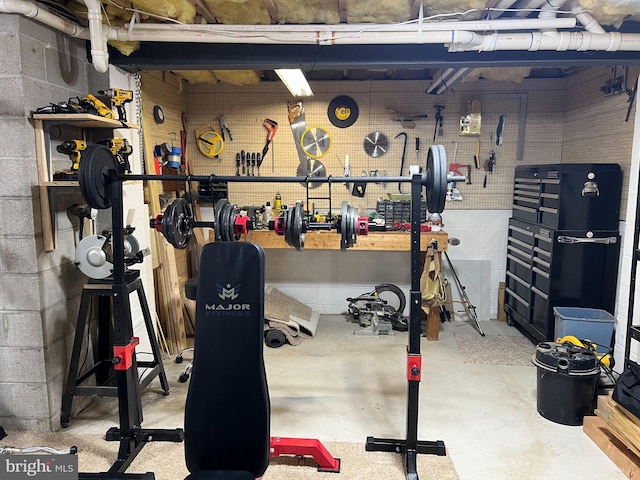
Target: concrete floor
point(343, 387)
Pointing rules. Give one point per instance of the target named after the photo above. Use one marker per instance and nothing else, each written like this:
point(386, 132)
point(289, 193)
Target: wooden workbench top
point(374, 241)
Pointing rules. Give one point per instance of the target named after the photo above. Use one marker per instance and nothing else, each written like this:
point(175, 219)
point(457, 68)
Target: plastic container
point(268, 213)
point(566, 382)
point(277, 206)
point(585, 323)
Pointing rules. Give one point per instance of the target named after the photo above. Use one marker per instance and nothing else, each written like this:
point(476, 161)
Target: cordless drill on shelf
point(121, 149)
point(119, 98)
point(73, 149)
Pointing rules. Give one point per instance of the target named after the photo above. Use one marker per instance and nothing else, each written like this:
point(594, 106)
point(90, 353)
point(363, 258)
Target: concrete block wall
point(39, 291)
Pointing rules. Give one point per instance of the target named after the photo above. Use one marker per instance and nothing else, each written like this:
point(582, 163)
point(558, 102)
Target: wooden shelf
point(62, 183)
point(47, 185)
point(83, 120)
point(374, 241)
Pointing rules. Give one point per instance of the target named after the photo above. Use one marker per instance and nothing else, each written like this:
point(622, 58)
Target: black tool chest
point(563, 243)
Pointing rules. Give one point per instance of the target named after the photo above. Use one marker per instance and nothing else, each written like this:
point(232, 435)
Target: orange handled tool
point(272, 128)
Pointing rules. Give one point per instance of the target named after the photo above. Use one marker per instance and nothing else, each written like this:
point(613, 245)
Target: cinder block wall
point(39, 291)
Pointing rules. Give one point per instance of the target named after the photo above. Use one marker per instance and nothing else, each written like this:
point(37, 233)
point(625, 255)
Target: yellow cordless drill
point(73, 149)
point(119, 98)
point(121, 149)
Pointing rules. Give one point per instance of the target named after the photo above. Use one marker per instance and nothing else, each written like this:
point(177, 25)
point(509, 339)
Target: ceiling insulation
point(239, 12)
point(612, 12)
point(313, 11)
point(378, 11)
point(181, 10)
point(317, 12)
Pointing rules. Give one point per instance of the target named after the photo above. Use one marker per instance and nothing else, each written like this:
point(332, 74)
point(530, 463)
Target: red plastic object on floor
point(306, 447)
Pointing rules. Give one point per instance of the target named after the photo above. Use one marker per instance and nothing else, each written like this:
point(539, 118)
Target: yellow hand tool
point(91, 102)
point(73, 149)
point(119, 98)
point(121, 149)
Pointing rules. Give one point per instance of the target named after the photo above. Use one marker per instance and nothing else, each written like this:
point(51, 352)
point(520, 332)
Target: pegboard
point(379, 102)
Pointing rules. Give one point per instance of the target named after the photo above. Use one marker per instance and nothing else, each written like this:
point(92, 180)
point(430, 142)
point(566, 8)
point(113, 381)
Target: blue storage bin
point(585, 323)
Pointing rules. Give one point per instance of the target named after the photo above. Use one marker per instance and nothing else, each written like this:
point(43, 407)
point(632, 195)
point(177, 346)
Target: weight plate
point(376, 144)
point(436, 179)
point(299, 229)
point(315, 142)
point(342, 111)
point(312, 168)
point(93, 175)
point(343, 226)
point(176, 223)
point(218, 218)
point(295, 227)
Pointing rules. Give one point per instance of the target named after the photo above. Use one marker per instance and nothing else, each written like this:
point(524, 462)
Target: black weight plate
point(342, 111)
point(289, 222)
point(93, 176)
point(232, 211)
point(298, 227)
point(353, 234)
point(220, 204)
point(176, 223)
point(227, 223)
point(344, 241)
point(436, 179)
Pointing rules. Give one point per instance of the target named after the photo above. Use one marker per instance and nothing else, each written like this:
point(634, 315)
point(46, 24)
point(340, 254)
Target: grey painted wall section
point(39, 291)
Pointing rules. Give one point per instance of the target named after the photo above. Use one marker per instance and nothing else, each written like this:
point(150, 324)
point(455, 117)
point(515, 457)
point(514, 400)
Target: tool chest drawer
point(526, 198)
point(517, 285)
point(518, 304)
point(521, 231)
point(569, 196)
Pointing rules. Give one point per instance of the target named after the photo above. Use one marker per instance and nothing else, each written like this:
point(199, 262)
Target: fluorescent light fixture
point(295, 81)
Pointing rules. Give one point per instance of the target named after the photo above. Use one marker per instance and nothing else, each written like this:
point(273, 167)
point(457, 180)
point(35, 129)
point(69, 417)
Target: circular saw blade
point(315, 142)
point(376, 144)
point(342, 111)
point(311, 168)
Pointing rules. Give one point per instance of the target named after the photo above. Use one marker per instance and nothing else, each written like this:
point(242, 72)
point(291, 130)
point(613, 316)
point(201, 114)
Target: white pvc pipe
point(99, 53)
point(561, 41)
point(528, 5)
point(585, 18)
point(31, 10)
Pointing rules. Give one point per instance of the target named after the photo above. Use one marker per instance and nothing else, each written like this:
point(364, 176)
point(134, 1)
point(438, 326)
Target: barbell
point(98, 169)
point(177, 223)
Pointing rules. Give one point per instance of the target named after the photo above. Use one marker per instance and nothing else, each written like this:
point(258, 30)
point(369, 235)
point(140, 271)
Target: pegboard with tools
point(398, 110)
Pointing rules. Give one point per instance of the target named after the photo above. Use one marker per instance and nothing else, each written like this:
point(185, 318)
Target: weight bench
point(227, 413)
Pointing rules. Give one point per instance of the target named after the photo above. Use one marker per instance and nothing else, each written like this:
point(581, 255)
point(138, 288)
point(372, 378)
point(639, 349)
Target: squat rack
point(132, 437)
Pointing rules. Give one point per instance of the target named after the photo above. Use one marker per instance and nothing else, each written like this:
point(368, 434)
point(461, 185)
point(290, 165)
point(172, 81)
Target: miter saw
point(94, 253)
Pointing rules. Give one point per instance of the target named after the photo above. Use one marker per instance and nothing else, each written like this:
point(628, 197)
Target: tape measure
point(209, 142)
point(315, 142)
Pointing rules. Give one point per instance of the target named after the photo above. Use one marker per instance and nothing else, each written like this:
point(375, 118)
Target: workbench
point(374, 241)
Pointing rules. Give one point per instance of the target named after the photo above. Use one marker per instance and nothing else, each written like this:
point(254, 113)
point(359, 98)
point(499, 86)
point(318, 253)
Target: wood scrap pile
point(617, 432)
